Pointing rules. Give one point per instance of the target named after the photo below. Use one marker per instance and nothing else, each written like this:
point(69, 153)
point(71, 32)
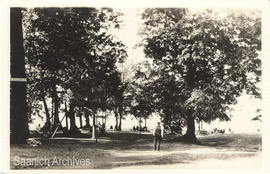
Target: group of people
point(210, 132)
point(115, 128)
point(138, 128)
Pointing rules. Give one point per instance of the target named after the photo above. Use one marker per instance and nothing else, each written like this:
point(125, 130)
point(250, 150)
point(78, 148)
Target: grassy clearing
point(123, 149)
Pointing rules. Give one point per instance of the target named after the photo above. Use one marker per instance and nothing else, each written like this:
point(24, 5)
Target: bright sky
point(242, 113)
point(128, 34)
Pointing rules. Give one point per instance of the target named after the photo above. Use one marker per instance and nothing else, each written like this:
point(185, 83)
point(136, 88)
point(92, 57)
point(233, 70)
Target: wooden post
point(18, 105)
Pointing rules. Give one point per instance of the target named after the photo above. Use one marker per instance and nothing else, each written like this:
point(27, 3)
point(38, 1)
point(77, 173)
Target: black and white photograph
point(100, 87)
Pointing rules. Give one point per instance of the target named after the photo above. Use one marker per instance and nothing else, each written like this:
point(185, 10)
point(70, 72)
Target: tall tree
point(214, 57)
point(74, 45)
point(142, 105)
point(18, 106)
point(118, 100)
point(38, 90)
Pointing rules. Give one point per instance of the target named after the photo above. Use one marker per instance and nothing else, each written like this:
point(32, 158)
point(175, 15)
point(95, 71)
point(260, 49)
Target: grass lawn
point(129, 149)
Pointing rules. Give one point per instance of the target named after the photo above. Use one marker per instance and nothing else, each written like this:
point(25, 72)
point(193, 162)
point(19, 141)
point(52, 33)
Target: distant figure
point(145, 129)
point(111, 127)
point(158, 135)
point(134, 128)
point(103, 127)
point(38, 128)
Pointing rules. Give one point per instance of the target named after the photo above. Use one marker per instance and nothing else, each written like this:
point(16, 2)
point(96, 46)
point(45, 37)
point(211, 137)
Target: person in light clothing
point(158, 135)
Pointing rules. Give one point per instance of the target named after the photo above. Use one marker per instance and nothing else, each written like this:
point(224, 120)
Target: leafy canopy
point(211, 56)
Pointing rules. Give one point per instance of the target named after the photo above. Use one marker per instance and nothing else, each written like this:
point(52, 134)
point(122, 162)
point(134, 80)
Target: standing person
point(158, 135)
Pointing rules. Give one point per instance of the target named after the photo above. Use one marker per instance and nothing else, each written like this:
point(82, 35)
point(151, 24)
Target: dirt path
point(244, 163)
point(129, 150)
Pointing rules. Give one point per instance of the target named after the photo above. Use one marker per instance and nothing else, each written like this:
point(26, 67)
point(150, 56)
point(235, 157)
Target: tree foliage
point(142, 105)
point(71, 49)
point(208, 58)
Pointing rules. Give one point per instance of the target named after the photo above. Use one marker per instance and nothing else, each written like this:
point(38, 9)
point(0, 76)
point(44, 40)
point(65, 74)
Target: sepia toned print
point(109, 88)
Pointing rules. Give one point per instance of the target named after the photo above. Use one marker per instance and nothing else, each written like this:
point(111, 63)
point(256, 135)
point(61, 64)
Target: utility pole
point(18, 104)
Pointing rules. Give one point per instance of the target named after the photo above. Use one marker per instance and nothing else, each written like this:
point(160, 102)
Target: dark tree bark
point(87, 121)
point(48, 122)
point(80, 117)
point(120, 113)
point(120, 122)
point(56, 108)
point(18, 105)
point(52, 113)
point(94, 127)
point(170, 122)
point(140, 122)
point(66, 112)
point(145, 125)
point(116, 118)
point(190, 134)
point(190, 78)
point(105, 120)
point(71, 115)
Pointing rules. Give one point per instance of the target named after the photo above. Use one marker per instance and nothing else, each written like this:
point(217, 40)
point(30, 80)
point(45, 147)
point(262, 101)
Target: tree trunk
point(56, 108)
point(94, 127)
point(71, 115)
point(105, 121)
point(80, 117)
point(170, 123)
point(52, 113)
point(140, 123)
point(120, 122)
point(171, 128)
point(48, 122)
point(66, 110)
point(67, 122)
point(190, 134)
point(87, 121)
point(18, 106)
point(199, 126)
point(116, 118)
point(145, 125)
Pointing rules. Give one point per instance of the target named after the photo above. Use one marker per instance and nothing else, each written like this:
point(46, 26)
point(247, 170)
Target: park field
point(135, 150)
